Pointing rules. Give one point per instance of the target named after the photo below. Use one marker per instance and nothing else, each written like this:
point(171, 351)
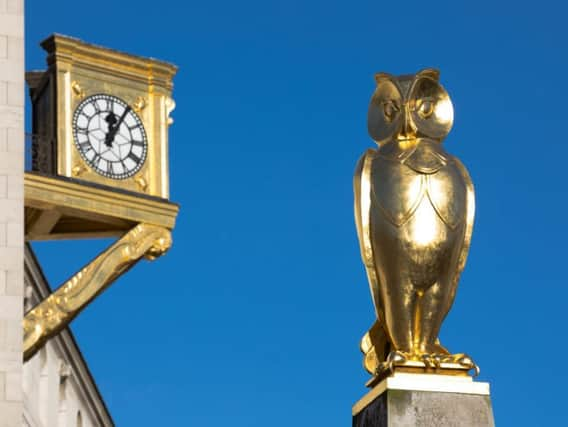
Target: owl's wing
point(469, 217)
point(362, 192)
point(374, 343)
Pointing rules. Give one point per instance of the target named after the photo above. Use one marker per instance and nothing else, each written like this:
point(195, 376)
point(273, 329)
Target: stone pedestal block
point(416, 400)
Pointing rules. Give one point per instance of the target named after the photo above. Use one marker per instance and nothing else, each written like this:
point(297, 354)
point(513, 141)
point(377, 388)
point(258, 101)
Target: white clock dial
point(110, 136)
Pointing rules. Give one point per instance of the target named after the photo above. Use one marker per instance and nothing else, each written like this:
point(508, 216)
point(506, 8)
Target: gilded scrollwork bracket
point(56, 311)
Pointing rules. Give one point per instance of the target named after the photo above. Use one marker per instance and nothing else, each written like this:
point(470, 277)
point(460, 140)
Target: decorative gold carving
point(142, 183)
point(54, 313)
point(77, 90)
point(170, 106)
point(414, 210)
point(79, 169)
point(139, 104)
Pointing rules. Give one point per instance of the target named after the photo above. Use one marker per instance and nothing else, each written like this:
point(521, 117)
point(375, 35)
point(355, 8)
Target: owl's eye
point(425, 108)
point(390, 110)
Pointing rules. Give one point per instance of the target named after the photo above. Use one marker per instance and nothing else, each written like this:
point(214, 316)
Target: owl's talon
point(463, 360)
point(427, 360)
point(394, 358)
point(468, 362)
point(437, 359)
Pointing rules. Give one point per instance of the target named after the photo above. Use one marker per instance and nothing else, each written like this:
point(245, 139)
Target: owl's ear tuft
point(382, 76)
point(433, 73)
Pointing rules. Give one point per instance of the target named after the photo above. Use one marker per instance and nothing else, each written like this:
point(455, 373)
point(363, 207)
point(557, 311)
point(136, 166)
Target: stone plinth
point(424, 400)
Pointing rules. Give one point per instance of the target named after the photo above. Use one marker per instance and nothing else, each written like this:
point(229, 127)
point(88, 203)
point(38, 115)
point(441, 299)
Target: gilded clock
point(102, 117)
point(109, 136)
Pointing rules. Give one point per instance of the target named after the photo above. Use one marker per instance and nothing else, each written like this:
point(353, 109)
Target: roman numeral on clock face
point(85, 146)
point(96, 160)
point(133, 157)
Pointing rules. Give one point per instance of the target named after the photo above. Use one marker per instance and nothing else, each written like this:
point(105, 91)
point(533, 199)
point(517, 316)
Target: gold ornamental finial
point(414, 210)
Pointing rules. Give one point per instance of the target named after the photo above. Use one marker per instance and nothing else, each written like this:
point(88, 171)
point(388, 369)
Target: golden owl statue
point(414, 210)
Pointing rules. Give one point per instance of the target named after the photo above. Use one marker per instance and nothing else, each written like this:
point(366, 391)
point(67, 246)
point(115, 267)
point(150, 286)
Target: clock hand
point(111, 120)
point(113, 126)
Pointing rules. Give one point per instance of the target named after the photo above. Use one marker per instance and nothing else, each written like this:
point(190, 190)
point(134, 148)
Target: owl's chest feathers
point(419, 190)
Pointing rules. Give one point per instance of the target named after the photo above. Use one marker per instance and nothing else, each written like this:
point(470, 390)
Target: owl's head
point(409, 107)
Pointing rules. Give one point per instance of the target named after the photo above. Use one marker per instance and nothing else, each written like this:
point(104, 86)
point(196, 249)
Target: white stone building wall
point(11, 209)
point(58, 388)
point(52, 394)
point(54, 388)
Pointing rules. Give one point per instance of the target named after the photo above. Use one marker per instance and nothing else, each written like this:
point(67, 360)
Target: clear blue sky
point(255, 315)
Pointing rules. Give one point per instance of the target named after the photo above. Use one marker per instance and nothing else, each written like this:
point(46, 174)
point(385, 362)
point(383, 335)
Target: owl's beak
point(406, 131)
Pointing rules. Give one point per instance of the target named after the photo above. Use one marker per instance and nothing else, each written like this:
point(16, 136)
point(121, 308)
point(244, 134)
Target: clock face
point(110, 136)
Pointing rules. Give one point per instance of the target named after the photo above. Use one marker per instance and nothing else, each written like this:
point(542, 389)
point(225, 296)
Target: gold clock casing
point(77, 70)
